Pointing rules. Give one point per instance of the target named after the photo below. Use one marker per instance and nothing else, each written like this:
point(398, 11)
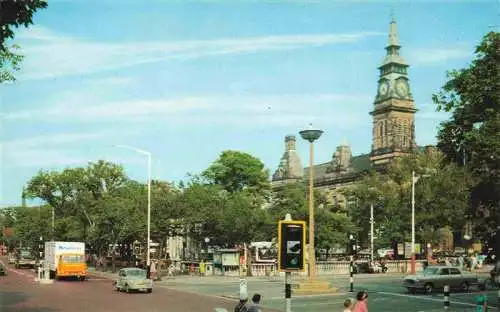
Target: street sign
point(292, 245)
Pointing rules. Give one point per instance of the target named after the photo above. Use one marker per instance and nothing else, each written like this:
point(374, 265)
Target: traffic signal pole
point(288, 281)
point(291, 252)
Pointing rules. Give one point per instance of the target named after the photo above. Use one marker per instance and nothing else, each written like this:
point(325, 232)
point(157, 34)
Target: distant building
point(393, 133)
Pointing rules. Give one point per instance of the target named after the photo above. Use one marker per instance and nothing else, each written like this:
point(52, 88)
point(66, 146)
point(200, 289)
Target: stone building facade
point(393, 133)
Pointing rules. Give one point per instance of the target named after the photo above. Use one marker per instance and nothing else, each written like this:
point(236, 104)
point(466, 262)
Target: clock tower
point(394, 109)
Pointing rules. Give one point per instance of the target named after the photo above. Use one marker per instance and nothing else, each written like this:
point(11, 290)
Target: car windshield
point(26, 255)
point(136, 273)
point(430, 271)
point(73, 259)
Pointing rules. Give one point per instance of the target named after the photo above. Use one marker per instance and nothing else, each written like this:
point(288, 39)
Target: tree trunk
point(113, 257)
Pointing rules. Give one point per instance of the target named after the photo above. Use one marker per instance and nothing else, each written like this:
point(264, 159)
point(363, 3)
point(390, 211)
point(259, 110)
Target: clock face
point(402, 88)
point(382, 89)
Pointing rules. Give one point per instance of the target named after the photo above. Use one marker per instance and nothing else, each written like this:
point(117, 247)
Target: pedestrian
point(348, 305)
point(481, 302)
point(202, 268)
point(170, 271)
point(255, 305)
point(242, 305)
point(361, 304)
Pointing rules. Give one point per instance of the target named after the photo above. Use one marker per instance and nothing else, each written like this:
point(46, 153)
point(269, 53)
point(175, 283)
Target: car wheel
point(150, 290)
point(428, 288)
point(464, 287)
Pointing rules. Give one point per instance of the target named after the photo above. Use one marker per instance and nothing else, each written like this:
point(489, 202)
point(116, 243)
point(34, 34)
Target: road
point(20, 293)
point(385, 294)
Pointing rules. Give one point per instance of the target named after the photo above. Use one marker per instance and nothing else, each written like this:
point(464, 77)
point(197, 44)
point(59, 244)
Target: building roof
point(359, 164)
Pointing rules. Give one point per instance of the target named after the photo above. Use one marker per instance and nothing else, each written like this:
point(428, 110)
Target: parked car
point(3, 271)
point(130, 279)
point(12, 258)
point(435, 277)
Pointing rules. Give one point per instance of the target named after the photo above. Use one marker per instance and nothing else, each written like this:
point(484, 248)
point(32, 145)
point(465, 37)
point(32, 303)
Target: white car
point(133, 279)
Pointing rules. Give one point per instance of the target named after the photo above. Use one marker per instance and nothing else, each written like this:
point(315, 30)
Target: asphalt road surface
point(386, 294)
point(20, 293)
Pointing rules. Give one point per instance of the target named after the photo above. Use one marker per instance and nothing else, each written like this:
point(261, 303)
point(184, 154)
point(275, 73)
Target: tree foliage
point(441, 199)
point(236, 171)
point(13, 14)
point(471, 137)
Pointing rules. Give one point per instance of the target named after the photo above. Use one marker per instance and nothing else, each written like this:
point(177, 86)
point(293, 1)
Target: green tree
point(166, 212)
point(74, 193)
point(13, 14)
point(331, 229)
point(472, 135)
point(291, 198)
point(236, 171)
point(30, 223)
point(441, 199)
point(120, 217)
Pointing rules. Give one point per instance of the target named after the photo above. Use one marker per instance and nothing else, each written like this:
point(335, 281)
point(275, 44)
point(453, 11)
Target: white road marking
point(311, 296)
point(333, 303)
point(428, 299)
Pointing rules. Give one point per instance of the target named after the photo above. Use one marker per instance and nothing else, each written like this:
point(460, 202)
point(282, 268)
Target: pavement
point(385, 293)
point(19, 292)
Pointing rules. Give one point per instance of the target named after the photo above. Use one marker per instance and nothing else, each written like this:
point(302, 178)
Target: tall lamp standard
point(414, 180)
point(207, 240)
point(148, 154)
point(311, 135)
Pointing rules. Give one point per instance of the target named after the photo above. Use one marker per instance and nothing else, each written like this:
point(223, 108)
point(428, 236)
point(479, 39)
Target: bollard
point(351, 273)
point(446, 297)
point(498, 298)
point(288, 292)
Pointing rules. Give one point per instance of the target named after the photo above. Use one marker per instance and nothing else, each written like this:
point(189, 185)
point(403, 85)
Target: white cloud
point(430, 56)
point(45, 150)
point(52, 139)
point(52, 55)
point(63, 149)
point(273, 110)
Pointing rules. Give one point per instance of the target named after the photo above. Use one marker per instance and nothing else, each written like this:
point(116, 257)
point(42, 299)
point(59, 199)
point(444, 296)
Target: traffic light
point(40, 248)
point(292, 245)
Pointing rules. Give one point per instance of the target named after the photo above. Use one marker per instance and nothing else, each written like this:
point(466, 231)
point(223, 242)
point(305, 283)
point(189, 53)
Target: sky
point(186, 80)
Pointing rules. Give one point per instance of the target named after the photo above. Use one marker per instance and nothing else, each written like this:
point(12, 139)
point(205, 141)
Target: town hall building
point(393, 133)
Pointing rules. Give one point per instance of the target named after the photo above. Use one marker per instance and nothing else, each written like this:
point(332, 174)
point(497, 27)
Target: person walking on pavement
point(170, 271)
point(361, 304)
point(481, 302)
point(348, 305)
point(242, 305)
point(255, 305)
point(202, 268)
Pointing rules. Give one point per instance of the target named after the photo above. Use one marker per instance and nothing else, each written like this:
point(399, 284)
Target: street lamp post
point(413, 222)
point(371, 233)
point(148, 154)
point(207, 240)
point(311, 135)
point(414, 180)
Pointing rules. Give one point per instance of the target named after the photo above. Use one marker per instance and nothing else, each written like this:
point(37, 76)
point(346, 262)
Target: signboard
point(408, 249)
point(292, 245)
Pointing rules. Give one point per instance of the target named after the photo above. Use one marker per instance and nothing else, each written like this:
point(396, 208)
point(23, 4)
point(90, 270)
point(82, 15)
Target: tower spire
point(393, 32)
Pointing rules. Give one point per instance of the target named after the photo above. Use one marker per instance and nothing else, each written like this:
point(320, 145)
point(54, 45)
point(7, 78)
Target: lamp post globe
point(207, 240)
point(311, 135)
